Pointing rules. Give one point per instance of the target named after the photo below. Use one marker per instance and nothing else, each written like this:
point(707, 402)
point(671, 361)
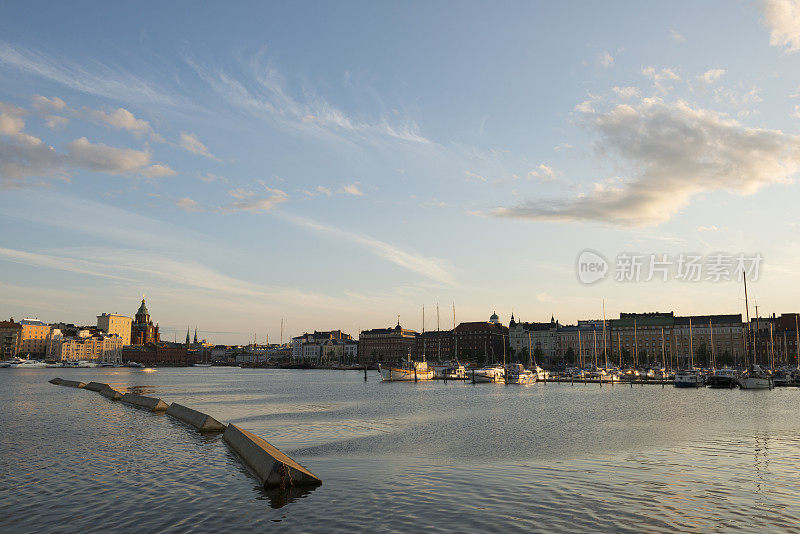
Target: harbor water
point(430, 456)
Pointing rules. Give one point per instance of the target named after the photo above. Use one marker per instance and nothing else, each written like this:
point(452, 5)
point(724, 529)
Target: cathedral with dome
point(143, 331)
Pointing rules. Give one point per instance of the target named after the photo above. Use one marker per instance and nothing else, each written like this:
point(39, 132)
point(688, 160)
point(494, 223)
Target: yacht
point(28, 364)
point(493, 373)
point(408, 370)
point(84, 364)
point(725, 378)
point(12, 362)
point(755, 378)
point(540, 373)
point(459, 372)
point(134, 364)
point(688, 378)
point(517, 374)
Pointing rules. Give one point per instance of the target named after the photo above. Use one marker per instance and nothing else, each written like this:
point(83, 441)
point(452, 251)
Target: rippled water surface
point(396, 457)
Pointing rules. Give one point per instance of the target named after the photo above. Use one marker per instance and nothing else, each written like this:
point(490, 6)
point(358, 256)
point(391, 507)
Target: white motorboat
point(13, 361)
point(28, 364)
point(134, 364)
point(540, 373)
point(201, 365)
point(517, 374)
point(85, 364)
point(688, 378)
point(459, 372)
point(755, 378)
point(494, 374)
point(407, 371)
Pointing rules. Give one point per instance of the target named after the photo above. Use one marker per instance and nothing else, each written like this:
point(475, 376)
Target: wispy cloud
point(431, 268)
point(250, 200)
point(352, 189)
point(190, 142)
point(263, 91)
point(109, 81)
point(604, 59)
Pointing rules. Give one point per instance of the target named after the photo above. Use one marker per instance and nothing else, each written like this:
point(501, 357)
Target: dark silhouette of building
point(143, 331)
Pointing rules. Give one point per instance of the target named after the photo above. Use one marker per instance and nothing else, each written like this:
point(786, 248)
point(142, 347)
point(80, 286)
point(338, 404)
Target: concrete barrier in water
point(96, 386)
point(149, 403)
point(56, 381)
point(72, 384)
point(272, 467)
point(110, 393)
point(201, 421)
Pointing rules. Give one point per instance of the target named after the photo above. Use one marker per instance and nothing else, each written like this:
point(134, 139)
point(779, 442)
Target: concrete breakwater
point(199, 420)
point(271, 467)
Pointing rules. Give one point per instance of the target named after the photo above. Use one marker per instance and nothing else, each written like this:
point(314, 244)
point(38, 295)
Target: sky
point(335, 165)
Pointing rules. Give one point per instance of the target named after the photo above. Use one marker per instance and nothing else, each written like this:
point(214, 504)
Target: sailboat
point(754, 377)
point(409, 370)
point(691, 377)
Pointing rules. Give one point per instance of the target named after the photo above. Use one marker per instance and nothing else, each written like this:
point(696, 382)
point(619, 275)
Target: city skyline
point(336, 170)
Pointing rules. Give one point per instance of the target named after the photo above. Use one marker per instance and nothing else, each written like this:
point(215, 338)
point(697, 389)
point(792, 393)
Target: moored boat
point(517, 374)
point(725, 378)
point(688, 378)
point(407, 371)
point(493, 374)
point(755, 378)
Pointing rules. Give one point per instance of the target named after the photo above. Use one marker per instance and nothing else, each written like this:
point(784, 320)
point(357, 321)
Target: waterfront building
point(635, 339)
point(543, 339)
point(481, 341)
point(10, 338)
point(386, 344)
point(339, 351)
point(143, 330)
point(85, 344)
point(582, 344)
point(435, 345)
point(161, 353)
point(113, 323)
point(728, 335)
point(33, 338)
point(308, 347)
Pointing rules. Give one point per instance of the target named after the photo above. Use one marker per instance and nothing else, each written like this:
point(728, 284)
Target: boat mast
point(423, 333)
point(635, 346)
point(711, 336)
point(747, 330)
point(438, 337)
point(797, 342)
point(619, 349)
point(605, 353)
point(580, 350)
point(755, 338)
point(691, 347)
point(594, 345)
point(663, 351)
point(455, 338)
point(771, 348)
point(530, 356)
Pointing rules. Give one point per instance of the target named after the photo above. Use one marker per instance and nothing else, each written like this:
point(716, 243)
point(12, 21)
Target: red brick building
point(482, 342)
point(161, 354)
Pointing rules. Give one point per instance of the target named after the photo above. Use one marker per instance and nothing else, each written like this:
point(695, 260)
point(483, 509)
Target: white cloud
point(796, 112)
point(626, 92)
point(710, 76)
point(43, 104)
point(323, 190)
point(103, 158)
point(676, 36)
point(158, 171)
point(782, 18)
point(672, 152)
point(122, 119)
point(187, 204)
point(249, 200)
point(605, 59)
point(584, 107)
point(190, 142)
point(661, 78)
point(712, 228)
point(471, 175)
point(432, 268)
point(352, 189)
point(543, 173)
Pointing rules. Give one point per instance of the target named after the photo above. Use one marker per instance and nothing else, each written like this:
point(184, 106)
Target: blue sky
point(338, 164)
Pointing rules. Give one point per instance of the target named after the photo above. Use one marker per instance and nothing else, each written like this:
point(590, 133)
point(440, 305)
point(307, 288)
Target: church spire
point(187, 335)
point(195, 335)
